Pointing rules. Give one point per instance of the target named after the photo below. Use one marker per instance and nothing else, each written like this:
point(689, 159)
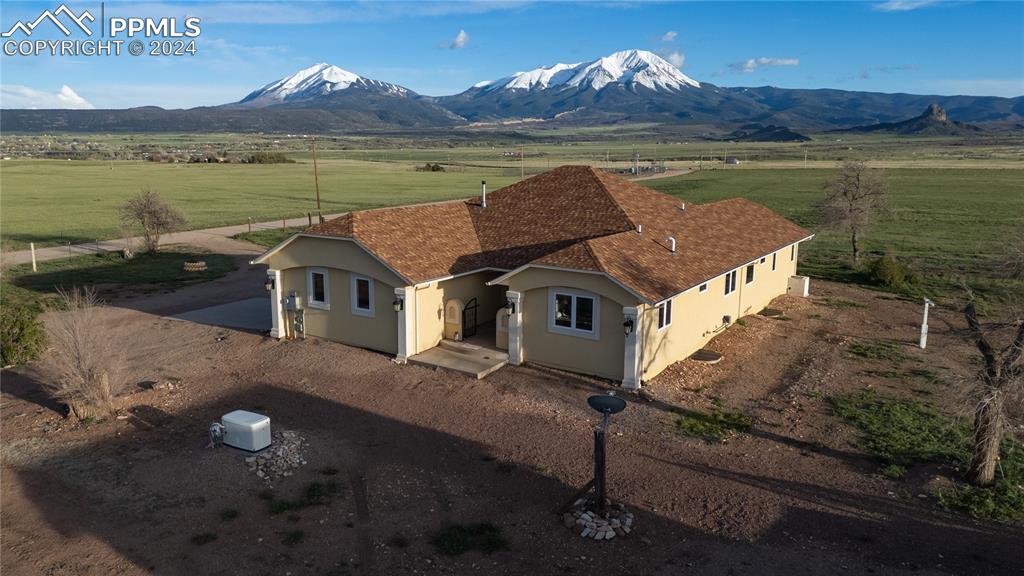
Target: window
point(573, 312)
point(792, 252)
point(362, 295)
point(318, 291)
point(664, 314)
point(773, 261)
point(703, 288)
point(762, 259)
point(750, 273)
point(730, 282)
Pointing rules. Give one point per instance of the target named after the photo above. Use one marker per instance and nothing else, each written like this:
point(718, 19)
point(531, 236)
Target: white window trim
point(310, 301)
point(730, 282)
point(749, 278)
point(662, 308)
point(594, 334)
point(702, 288)
point(355, 297)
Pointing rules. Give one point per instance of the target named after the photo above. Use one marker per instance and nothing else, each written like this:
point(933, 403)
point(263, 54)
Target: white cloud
point(753, 63)
point(676, 58)
point(903, 5)
point(669, 36)
point(17, 96)
point(460, 41)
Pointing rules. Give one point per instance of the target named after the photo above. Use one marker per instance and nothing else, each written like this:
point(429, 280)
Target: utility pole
point(316, 176)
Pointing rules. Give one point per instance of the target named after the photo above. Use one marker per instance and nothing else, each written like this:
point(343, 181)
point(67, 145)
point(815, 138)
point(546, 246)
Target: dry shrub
point(85, 367)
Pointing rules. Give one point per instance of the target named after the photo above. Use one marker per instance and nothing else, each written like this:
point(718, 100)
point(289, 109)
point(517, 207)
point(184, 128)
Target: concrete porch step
point(468, 359)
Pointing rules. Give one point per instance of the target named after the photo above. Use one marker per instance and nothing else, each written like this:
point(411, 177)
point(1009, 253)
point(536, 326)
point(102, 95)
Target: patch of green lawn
point(268, 237)
point(456, 540)
point(109, 270)
point(877, 350)
point(716, 426)
point(902, 433)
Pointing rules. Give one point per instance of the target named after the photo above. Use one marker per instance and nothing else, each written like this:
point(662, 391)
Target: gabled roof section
point(573, 217)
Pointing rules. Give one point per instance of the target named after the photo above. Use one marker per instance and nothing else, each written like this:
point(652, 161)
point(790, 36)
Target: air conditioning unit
point(246, 430)
point(799, 286)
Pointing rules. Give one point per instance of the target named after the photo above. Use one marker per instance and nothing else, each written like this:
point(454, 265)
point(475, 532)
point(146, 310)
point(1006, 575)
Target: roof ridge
point(600, 184)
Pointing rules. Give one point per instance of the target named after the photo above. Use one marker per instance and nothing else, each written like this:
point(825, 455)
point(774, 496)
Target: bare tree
point(152, 215)
point(85, 367)
point(854, 198)
point(999, 394)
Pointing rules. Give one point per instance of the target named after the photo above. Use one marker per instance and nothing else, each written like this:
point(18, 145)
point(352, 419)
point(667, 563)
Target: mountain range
point(624, 87)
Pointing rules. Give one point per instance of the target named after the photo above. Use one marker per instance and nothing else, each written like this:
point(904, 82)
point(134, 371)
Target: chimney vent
point(483, 192)
point(672, 244)
point(639, 228)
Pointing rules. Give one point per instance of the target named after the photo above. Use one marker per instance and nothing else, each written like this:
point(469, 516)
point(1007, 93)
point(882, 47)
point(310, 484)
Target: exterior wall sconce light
point(399, 304)
point(269, 284)
point(510, 306)
point(628, 326)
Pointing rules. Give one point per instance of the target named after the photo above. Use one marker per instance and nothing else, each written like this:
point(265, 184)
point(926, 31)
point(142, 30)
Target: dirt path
point(214, 239)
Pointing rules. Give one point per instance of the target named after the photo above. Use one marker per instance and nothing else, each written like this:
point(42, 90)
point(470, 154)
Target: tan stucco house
point(575, 268)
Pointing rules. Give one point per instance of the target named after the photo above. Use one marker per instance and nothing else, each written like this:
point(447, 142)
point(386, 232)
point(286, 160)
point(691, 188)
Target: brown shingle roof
point(572, 217)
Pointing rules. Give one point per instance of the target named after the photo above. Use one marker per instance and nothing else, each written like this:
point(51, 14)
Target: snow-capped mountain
point(340, 97)
point(621, 88)
point(631, 68)
point(317, 81)
point(634, 83)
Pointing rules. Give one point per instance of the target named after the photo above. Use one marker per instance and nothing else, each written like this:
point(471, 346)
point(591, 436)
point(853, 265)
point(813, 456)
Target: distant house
point(578, 269)
point(732, 160)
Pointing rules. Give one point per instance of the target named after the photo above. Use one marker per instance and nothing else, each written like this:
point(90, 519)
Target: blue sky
point(912, 46)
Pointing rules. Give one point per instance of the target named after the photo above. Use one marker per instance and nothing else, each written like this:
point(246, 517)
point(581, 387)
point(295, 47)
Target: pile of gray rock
point(282, 457)
point(582, 520)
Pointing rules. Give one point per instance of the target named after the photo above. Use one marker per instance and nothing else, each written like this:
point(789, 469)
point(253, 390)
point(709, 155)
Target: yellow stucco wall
point(331, 253)
point(430, 299)
point(697, 316)
point(341, 259)
point(602, 357)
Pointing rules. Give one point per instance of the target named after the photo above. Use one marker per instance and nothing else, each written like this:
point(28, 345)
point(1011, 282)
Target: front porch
point(466, 357)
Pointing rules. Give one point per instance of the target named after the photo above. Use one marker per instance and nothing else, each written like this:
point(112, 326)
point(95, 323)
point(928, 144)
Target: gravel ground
point(399, 452)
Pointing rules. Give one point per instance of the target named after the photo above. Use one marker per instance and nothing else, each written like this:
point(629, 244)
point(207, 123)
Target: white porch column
point(276, 307)
point(631, 372)
point(406, 323)
point(515, 328)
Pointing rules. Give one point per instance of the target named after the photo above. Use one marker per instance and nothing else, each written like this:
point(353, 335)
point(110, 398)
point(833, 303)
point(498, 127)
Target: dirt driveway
point(406, 451)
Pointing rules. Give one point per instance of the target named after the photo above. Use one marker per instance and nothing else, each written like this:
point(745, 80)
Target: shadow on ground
point(153, 491)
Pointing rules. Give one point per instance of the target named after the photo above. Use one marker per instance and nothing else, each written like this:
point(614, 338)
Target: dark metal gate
point(469, 319)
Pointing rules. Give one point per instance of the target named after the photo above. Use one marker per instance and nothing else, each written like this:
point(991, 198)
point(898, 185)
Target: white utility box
point(246, 430)
point(799, 286)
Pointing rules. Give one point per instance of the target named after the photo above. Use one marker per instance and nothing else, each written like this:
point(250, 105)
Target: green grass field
point(954, 203)
point(108, 270)
point(947, 223)
point(51, 202)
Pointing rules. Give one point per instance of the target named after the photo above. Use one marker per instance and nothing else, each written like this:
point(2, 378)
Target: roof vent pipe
point(672, 243)
point(682, 206)
point(483, 192)
point(639, 228)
